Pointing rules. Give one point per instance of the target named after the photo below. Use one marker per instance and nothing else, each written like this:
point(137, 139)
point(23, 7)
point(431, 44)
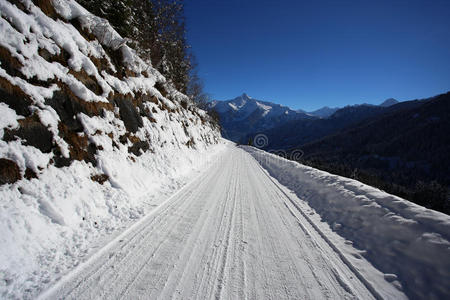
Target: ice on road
point(232, 233)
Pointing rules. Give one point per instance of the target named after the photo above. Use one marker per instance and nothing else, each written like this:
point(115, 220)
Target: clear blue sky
point(307, 54)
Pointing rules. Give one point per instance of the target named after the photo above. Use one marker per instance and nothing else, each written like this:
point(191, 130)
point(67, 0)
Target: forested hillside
point(400, 148)
point(403, 151)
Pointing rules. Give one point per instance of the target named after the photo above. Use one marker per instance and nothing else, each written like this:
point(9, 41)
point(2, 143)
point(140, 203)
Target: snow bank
point(400, 238)
point(52, 224)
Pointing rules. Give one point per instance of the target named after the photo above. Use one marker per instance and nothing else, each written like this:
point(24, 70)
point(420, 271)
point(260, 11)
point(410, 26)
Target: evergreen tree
point(173, 60)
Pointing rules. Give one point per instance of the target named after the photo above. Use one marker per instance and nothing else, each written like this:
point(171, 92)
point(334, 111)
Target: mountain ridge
point(402, 151)
point(244, 116)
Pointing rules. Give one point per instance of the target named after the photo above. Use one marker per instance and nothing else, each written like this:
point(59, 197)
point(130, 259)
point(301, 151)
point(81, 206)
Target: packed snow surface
point(232, 233)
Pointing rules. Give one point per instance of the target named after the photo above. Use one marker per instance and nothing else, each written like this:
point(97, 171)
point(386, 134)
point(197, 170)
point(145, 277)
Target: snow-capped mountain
point(244, 115)
point(389, 102)
point(244, 105)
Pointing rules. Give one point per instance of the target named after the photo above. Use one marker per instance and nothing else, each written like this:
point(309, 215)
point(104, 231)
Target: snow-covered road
point(232, 233)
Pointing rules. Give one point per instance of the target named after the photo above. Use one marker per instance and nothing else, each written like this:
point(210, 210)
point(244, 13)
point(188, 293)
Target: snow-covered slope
point(91, 139)
point(407, 242)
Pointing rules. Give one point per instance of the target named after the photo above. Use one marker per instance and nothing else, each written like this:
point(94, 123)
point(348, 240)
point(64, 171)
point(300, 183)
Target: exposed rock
point(10, 64)
point(61, 58)
point(89, 81)
point(33, 133)
point(100, 178)
point(30, 174)
point(79, 147)
point(128, 113)
point(9, 171)
point(67, 108)
point(68, 105)
point(14, 97)
point(47, 8)
point(137, 147)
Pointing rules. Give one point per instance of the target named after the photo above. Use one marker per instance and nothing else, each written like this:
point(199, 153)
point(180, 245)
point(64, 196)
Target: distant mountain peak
point(244, 114)
point(240, 101)
point(389, 102)
point(324, 112)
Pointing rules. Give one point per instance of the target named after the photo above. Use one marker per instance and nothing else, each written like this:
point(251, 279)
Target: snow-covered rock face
point(87, 129)
point(57, 75)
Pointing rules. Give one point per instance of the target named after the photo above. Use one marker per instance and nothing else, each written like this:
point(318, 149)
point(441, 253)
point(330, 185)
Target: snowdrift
point(403, 240)
point(91, 139)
